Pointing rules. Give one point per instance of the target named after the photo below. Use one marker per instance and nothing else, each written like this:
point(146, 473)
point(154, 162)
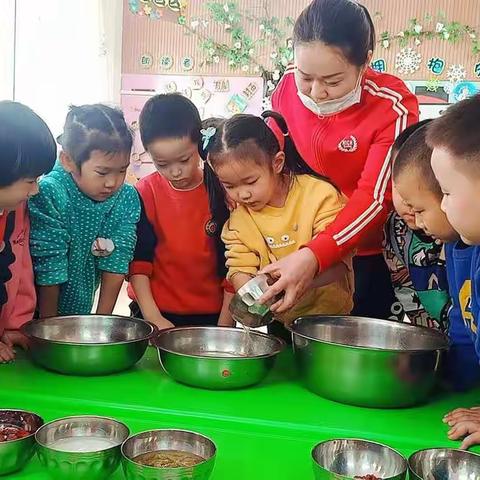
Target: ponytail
point(216, 196)
point(294, 163)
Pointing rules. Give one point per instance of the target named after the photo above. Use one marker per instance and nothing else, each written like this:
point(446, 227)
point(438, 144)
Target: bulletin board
point(214, 96)
point(165, 37)
point(433, 45)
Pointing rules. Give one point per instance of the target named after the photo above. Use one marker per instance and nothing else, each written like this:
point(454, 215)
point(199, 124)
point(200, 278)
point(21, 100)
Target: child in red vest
point(177, 276)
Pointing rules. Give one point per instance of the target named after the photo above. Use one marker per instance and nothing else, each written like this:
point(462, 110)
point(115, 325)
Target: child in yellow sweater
point(281, 204)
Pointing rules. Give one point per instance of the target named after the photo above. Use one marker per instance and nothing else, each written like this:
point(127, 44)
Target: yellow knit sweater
point(256, 239)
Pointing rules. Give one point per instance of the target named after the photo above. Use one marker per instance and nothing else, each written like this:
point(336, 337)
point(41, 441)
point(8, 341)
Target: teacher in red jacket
point(343, 118)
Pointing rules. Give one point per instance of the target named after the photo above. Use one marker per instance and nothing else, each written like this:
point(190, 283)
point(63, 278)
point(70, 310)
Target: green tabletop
point(265, 432)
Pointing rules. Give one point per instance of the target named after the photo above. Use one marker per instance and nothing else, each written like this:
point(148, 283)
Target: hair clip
point(207, 134)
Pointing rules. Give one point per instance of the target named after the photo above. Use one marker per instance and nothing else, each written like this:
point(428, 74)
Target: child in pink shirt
point(27, 151)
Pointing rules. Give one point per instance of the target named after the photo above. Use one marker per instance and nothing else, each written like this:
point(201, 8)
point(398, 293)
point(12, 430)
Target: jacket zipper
point(317, 143)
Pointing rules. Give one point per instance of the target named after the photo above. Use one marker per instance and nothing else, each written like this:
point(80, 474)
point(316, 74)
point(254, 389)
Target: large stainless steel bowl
point(15, 454)
point(88, 345)
point(348, 459)
point(95, 454)
point(161, 440)
point(367, 362)
point(217, 357)
point(444, 464)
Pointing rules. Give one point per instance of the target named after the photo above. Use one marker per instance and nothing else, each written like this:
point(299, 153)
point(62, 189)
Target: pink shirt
point(21, 294)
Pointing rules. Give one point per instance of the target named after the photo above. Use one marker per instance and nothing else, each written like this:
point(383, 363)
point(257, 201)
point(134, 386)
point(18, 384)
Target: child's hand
point(17, 338)
point(8, 340)
point(161, 322)
point(225, 319)
point(7, 354)
point(464, 423)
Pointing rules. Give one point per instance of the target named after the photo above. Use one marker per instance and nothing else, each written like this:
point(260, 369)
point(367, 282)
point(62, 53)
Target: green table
point(265, 432)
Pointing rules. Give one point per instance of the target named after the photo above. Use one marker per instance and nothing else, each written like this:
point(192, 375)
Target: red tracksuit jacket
point(353, 150)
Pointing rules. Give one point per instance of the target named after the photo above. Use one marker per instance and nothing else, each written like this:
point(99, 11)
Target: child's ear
point(67, 162)
point(279, 162)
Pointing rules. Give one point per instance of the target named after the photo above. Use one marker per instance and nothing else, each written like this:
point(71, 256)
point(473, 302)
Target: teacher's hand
point(293, 275)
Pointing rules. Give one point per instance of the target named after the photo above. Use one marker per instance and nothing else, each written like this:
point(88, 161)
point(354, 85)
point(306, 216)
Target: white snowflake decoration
point(408, 61)
point(456, 73)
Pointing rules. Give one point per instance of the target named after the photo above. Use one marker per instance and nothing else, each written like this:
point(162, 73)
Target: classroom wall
point(165, 36)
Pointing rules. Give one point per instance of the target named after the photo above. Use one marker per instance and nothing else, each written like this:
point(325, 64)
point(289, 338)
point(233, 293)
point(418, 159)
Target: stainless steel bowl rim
point(75, 417)
point(281, 344)
point(25, 326)
point(378, 444)
point(439, 449)
point(160, 430)
point(291, 329)
point(22, 411)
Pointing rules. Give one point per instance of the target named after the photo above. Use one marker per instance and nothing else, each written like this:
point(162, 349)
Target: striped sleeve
point(368, 206)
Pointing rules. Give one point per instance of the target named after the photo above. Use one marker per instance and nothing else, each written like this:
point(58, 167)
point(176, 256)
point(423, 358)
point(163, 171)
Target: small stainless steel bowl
point(217, 357)
point(180, 440)
point(444, 464)
point(94, 462)
point(88, 345)
point(15, 454)
point(367, 362)
point(346, 459)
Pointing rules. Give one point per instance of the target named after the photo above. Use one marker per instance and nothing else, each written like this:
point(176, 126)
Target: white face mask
point(332, 107)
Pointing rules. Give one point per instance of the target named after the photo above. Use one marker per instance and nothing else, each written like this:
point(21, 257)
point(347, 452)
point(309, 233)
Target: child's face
point(405, 211)
point(461, 195)
point(177, 160)
point(16, 193)
point(101, 176)
point(425, 205)
point(249, 183)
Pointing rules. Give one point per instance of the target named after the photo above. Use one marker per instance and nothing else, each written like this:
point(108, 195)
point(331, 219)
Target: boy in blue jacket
point(455, 161)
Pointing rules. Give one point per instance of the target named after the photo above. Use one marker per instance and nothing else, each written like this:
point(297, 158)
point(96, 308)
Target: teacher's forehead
point(318, 59)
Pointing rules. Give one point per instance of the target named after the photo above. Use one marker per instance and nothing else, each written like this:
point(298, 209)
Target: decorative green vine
point(432, 28)
point(241, 51)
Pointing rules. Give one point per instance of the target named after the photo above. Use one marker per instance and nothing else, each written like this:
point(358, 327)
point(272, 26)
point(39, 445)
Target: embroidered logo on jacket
point(348, 144)
point(211, 228)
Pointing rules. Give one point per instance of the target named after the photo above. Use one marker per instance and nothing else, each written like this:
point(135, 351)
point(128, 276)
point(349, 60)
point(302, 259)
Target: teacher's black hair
point(345, 24)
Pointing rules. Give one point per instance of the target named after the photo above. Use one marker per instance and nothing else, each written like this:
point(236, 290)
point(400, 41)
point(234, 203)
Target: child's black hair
point(27, 147)
point(457, 131)
point(415, 156)
point(406, 134)
point(216, 197)
point(243, 132)
point(345, 24)
point(94, 127)
point(174, 116)
point(169, 115)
